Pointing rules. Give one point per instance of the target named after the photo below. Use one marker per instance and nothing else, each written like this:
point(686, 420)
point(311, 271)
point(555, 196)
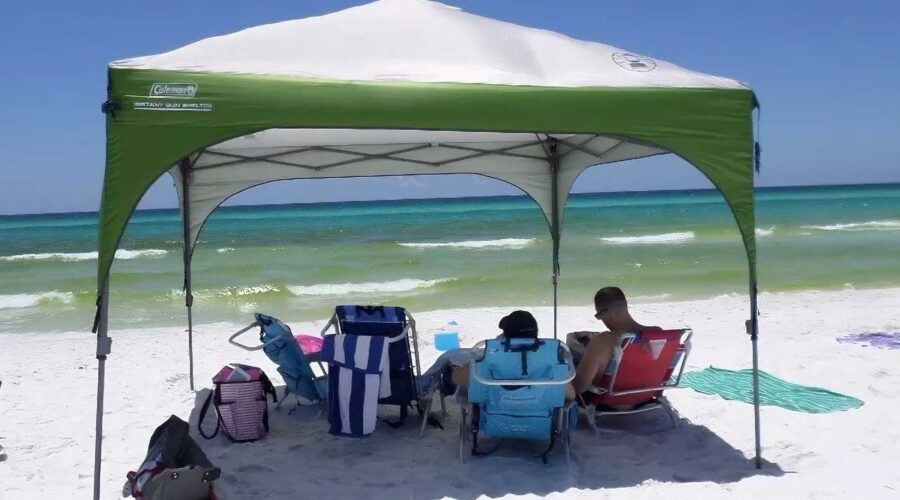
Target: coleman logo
point(173, 89)
point(633, 62)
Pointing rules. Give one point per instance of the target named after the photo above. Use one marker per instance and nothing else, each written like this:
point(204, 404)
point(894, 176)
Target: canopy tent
point(404, 87)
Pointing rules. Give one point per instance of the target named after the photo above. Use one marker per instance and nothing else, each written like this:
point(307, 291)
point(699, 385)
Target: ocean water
point(298, 261)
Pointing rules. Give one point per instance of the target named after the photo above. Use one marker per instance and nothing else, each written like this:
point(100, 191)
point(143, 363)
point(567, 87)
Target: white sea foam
point(136, 254)
point(508, 243)
point(225, 250)
point(651, 239)
point(23, 300)
point(248, 307)
point(80, 256)
point(397, 286)
point(765, 231)
point(232, 291)
point(652, 298)
point(873, 225)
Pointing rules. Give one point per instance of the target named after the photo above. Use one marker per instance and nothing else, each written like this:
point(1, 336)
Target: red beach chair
point(642, 367)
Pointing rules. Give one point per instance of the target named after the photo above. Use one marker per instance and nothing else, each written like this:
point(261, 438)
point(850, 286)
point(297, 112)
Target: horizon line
point(522, 195)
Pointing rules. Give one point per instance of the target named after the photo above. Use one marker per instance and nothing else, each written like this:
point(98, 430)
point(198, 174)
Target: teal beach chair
point(518, 390)
point(280, 345)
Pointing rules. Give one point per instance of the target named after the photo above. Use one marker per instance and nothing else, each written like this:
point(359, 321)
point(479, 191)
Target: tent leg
point(186, 227)
point(553, 161)
point(555, 281)
point(754, 332)
point(104, 344)
point(190, 337)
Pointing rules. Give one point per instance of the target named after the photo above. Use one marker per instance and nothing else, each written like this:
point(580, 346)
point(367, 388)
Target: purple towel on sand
point(881, 340)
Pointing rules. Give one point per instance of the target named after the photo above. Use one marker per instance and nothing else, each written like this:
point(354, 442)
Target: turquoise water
point(297, 261)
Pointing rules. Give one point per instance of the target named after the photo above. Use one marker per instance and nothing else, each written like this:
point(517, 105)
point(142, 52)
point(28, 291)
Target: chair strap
point(268, 387)
point(203, 411)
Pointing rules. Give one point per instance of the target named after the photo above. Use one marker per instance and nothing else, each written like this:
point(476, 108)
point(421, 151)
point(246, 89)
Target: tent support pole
point(104, 345)
point(186, 235)
point(753, 328)
point(553, 161)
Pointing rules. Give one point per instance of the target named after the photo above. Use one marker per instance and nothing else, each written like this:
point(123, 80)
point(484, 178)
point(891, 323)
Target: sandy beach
point(49, 382)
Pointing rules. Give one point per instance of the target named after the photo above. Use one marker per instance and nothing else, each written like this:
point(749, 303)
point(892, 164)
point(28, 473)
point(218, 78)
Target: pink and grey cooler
point(239, 398)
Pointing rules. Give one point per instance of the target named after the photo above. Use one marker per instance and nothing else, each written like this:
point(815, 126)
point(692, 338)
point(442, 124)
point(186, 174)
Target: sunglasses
point(600, 312)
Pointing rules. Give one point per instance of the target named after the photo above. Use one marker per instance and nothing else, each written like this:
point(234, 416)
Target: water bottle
point(447, 338)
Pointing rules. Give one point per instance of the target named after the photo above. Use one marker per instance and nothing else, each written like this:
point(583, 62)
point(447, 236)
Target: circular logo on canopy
point(633, 62)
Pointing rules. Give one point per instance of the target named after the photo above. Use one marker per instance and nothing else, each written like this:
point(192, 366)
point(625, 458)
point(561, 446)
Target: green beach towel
point(738, 386)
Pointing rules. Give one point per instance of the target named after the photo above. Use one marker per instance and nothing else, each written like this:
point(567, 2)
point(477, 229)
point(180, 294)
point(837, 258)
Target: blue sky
point(827, 73)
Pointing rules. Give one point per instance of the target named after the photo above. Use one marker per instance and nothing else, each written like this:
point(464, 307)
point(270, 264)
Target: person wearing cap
point(515, 325)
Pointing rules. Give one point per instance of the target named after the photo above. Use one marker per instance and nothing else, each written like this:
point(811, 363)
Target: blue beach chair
point(399, 327)
point(518, 390)
point(279, 344)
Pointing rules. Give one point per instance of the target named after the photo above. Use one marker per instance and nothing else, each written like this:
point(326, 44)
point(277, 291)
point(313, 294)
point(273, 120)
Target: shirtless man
point(612, 309)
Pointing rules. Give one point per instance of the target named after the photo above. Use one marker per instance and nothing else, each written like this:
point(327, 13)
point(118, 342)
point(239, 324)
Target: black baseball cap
point(519, 325)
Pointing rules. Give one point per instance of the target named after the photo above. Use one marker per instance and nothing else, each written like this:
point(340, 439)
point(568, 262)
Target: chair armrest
point(519, 382)
point(232, 341)
point(331, 322)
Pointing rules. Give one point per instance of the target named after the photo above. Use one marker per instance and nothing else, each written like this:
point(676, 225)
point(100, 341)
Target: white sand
point(49, 381)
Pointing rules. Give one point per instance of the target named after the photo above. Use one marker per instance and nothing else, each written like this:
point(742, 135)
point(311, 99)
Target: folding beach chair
point(642, 367)
point(280, 345)
point(518, 390)
point(399, 327)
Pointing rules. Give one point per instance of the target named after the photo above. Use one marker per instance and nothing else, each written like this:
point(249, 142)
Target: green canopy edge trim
point(709, 128)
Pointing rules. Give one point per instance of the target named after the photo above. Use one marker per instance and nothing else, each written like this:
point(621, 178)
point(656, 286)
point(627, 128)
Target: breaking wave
point(651, 239)
point(232, 291)
point(397, 286)
point(19, 301)
point(765, 231)
point(874, 225)
point(80, 256)
point(509, 243)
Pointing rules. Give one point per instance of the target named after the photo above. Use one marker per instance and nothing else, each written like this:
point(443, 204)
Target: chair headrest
point(272, 326)
point(368, 313)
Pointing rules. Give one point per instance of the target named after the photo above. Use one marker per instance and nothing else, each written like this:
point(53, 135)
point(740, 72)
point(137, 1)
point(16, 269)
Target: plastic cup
point(445, 341)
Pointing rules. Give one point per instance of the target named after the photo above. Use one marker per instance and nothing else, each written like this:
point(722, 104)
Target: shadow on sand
point(299, 459)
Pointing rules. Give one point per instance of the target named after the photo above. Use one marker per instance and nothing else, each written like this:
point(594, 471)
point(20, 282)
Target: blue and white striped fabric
point(358, 375)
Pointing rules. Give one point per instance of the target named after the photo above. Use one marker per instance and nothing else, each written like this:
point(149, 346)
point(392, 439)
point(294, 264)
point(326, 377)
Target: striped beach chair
point(398, 328)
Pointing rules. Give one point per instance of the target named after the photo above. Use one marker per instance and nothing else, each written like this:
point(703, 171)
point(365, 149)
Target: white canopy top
point(410, 41)
point(423, 41)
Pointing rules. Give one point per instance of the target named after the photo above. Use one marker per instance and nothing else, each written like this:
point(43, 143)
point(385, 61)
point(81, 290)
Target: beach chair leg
point(590, 412)
point(322, 407)
point(425, 415)
point(565, 416)
point(464, 434)
point(443, 407)
point(571, 422)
